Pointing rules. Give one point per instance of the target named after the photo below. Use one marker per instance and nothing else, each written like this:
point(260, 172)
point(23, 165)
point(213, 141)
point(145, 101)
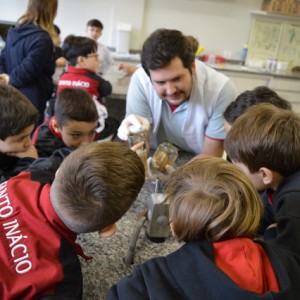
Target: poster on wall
point(289, 48)
point(264, 41)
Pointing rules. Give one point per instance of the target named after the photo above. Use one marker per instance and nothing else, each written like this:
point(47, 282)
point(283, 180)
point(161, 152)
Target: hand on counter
point(129, 69)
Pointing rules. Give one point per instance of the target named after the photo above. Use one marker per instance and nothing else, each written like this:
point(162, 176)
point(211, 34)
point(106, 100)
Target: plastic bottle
point(244, 52)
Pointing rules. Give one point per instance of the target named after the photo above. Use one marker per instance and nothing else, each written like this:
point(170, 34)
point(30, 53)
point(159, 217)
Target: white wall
point(218, 24)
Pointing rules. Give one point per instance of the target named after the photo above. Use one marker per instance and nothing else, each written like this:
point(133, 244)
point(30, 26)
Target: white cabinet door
point(289, 89)
point(246, 81)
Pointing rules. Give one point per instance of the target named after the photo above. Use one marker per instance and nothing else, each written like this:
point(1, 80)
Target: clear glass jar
point(165, 154)
point(136, 137)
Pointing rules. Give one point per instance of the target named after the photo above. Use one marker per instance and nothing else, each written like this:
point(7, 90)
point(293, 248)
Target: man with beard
point(177, 98)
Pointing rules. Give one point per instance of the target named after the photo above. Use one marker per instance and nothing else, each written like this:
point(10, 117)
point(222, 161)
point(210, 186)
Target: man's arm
point(213, 147)
point(136, 100)
point(215, 132)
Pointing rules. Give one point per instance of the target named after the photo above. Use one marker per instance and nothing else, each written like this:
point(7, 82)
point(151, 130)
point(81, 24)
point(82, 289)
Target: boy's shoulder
point(289, 184)
point(11, 166)
point(43, 169)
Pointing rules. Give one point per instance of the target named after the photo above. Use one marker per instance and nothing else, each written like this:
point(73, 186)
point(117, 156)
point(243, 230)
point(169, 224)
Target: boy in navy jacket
point(265, 143)
point(18, 117)
point(215, 210)
point(74, 123)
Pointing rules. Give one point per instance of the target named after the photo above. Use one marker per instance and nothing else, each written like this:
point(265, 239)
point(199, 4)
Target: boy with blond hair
point(215, 210)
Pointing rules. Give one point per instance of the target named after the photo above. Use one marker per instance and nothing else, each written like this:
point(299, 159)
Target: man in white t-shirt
point(175, 97)
point(94, 30)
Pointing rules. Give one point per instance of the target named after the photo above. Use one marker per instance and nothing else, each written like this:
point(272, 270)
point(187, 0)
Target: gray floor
point(108, 266)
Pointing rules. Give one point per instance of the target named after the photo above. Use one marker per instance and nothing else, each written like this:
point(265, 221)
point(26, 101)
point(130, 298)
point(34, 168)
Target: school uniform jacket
point(286, 209)
point(28, 58)
point(12, 165)
point(190, 273)
point(46, 140)
point(38, 252)
point(82, 78)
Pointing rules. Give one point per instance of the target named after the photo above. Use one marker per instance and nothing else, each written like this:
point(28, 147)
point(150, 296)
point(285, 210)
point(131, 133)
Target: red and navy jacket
point(86, 79)
point(190, 273)
point(38, 252)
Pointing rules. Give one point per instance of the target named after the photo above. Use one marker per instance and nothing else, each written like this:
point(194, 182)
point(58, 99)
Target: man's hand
point(4, 78)
point(136, 123)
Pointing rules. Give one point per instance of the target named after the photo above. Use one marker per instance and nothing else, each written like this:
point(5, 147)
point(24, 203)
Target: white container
point(123, 38)
point(282, 66)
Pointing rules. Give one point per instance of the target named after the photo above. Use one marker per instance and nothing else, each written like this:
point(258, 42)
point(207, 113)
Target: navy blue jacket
point(11, 166)
point(286, 209)
point(28, 58)
point(191, 274)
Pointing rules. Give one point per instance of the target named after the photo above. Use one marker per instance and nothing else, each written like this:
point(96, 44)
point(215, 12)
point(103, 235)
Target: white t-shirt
point(106, 60)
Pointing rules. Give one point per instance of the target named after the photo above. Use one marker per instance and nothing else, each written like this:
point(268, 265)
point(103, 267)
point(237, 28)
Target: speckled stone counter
point(107, 265)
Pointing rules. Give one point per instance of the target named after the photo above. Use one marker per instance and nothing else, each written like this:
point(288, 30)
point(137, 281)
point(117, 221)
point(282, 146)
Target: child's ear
point(267, 175)
point(172, 228)
point(80, 60)
point(108, 231)
point(55, 126)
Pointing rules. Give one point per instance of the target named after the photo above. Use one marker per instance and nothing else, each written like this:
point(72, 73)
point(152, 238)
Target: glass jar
point(165, 154)
point(135, 137)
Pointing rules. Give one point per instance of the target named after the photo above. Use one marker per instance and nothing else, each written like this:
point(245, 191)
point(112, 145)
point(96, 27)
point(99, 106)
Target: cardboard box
point(284, 7)
point(294, 8)
point(276, 6)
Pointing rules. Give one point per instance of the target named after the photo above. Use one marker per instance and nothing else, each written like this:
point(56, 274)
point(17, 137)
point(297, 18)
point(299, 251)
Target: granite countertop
point(252, 70)
point(107, 265)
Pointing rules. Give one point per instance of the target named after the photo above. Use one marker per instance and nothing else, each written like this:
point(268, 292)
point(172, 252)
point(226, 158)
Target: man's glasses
point(95, 55)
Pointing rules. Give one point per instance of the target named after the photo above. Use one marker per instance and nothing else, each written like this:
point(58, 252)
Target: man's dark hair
point(162, 46)
point(95, 23)
point(74, 46)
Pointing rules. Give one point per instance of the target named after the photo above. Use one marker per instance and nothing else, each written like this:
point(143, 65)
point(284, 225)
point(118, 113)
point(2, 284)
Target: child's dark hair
point(194, 43)
point(74, 104)
point(266, 136)
point(74, 46)
point(95, 23)
point(57, 29)
point(260, 94)
point(16, 112)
